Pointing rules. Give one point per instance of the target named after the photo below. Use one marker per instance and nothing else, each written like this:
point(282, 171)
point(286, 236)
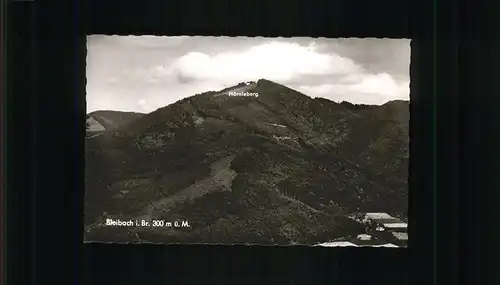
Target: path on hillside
point(91, 137)
point(296, 201)
point(220, 179)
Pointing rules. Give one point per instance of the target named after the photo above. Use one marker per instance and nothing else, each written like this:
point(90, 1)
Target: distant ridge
point(108, 120)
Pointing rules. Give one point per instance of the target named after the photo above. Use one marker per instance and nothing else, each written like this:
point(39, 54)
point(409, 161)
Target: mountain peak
point(264, 80)
point(267, 81)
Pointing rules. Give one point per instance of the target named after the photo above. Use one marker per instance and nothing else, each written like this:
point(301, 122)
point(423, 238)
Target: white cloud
point(361, 89)
point(278, 61)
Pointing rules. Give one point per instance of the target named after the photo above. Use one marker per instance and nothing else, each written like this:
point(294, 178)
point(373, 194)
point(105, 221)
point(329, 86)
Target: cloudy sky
point(144, 73)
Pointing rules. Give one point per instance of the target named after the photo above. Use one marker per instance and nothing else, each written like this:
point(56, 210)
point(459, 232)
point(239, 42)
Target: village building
point(337, 243)
point(386, 222)
point(386, 245)
point(398, 227)
point(377, 216)
point(364, 237)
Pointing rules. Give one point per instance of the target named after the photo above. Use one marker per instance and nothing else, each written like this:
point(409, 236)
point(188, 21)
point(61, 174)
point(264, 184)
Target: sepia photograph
point(247, 140)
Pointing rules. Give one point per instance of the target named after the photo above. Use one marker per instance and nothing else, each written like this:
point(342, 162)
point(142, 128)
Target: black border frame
point(49, 51)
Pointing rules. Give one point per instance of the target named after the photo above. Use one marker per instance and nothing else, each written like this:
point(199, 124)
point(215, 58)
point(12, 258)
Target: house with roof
point(337, 243)
point(386, 222)
point(385, 245)
point(396, 227)
point(364, 237)
point(378, 216)
point(359, 242)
